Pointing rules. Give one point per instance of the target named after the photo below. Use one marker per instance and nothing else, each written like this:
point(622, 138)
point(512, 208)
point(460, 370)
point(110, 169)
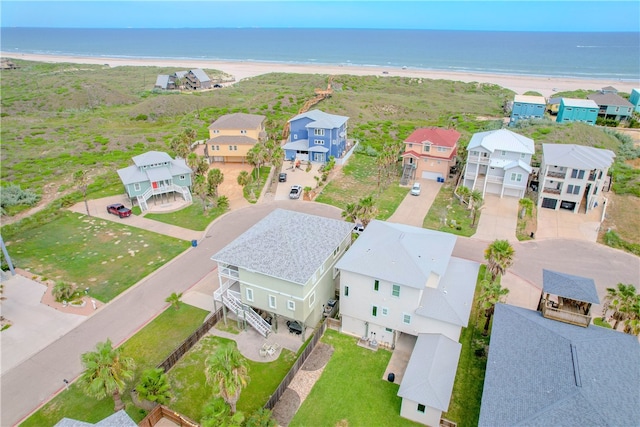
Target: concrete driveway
point(563, 224)
point(413, 209)
point(498, 220)
point(296, 177)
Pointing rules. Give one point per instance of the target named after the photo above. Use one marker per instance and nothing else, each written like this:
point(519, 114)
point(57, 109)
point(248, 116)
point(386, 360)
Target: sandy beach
point(546, 86)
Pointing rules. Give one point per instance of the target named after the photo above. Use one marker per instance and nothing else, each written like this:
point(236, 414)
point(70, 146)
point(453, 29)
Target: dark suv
point(119, 209)
point(282, 177)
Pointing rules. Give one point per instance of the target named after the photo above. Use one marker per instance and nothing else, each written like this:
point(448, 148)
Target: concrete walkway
point(563, 224)
point(498, 220)
point(413, 209)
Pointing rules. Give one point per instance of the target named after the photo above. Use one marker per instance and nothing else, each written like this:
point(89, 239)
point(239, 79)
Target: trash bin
point(532, 235)
point(391, 377)
point(194, 243)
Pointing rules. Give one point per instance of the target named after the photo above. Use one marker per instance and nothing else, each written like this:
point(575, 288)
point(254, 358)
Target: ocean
point(554, 54)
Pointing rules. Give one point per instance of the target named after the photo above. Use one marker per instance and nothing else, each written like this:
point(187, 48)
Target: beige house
point(429, 153)
point(232, 136)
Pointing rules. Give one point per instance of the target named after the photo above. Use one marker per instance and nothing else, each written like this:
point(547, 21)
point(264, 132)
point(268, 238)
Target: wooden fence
point(162, 412)
point(193, 339)
point(271, 403)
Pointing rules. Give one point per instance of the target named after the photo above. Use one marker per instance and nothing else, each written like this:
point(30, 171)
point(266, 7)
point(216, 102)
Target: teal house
point(527, 107)
point(577, 110)
point(155, 174)
point(635, 99)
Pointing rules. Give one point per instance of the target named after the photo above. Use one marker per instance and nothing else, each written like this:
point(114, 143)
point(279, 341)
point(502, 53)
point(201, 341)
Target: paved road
point(34, 381)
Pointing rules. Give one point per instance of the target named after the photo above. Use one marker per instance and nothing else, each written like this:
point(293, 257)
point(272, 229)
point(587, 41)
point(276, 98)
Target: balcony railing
point(551, 190)
point(553, 174)
point(565, 315)
point(493, 178)
point(478, 159)
point(230, 271)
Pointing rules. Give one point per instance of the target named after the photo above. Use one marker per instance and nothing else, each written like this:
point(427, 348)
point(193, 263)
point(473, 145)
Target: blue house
point(577, 110)
point(527, 107)
point(156, 174)
point(635, 99)
point(316, 136)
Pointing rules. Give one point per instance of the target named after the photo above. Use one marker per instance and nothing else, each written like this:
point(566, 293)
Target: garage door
point(431, 175)
point(570, 206)
point(512, 192)
point(549, 203)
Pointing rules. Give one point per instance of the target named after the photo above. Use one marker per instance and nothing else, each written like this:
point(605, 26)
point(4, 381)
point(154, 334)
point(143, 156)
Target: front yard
point(449, 215)
point(191, 217)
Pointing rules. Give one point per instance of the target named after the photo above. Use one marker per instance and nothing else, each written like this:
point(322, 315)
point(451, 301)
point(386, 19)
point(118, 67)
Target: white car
point(415, 190)
point(295, 192)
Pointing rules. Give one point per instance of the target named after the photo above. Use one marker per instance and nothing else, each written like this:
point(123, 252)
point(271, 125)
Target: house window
point(426, 148)
point(573, 189)
point(136, 186)
point(504, 153)
point(243, 132)
point(346, 291)
point(318, 141)
point(249, 294)
point(516, 177)
point(216, 131)
point(523, 155)
point(182, 177)
point(389, 330)
point(385, 311)
point(312, 299)
point(374, 311)
point(406, 319)
point(443, 149)
point(272, 301)
point(336, 251)
point(396, 291)
point(291, 305)
point(231, 148)
point(376, 285)
point(421, 408)
point(474, 153)
point(318, 132)
point(577, 173)
point(235, 148)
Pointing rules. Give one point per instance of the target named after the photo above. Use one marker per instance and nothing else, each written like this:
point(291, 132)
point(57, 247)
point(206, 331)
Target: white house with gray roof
point(155, 174)
point(573, 177)
point(541, 372)
point(398, 279)
point(284, 266)
point(499, 162)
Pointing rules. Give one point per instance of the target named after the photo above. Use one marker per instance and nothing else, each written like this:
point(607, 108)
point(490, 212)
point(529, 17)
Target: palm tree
point(180, 147)
point(154, 386)
point(199, 188)
point(261, 418)
point(624, 304)
point(350, 212)
point(367, 210)
point(463, 192)
point(81, 180)
point(215, 177)
point(106, 371)
point(218, 414)
point(527, 207)
point(244, 178)
point(491, 294)
point(476, 203)
point(499, 256)
point(227, 371)
point(174, 299)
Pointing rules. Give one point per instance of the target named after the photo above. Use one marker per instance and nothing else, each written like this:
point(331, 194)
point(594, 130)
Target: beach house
point(316, 136)
point(400, 284)
point(577, 110)
point(527, 107)
point(429, 153)
point(498, 162)
point(155, 174)
point(282, 268)
point(634, 98)
point(231, 137)
point(572, 177)
point(611, 105)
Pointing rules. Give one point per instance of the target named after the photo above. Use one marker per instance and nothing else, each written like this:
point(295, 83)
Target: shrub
point(141, 117)
point(154, 386)
point(13, 195)
point(63, 291)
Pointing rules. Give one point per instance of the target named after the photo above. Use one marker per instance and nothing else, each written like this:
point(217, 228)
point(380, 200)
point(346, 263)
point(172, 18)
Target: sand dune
point(546, 86)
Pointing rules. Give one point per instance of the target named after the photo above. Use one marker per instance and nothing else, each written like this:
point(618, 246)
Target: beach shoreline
point(545, 85)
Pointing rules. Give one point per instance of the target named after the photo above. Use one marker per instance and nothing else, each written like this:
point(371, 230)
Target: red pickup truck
point(119, 209)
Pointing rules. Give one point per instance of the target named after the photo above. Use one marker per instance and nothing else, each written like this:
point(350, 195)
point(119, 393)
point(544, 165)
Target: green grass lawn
point(104, 256)
point(358, 180)
point(191, 217)
point(447, 206)
point(149, 346)
point(351, 388)
point(191, 391)
point(254, 188)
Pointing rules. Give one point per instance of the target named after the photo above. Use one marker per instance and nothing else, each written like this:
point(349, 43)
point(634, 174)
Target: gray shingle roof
point(118, 419)
point(609, 99)
point(200, 75)
point(399, 253)
point(531, 381)
point(151, 157)
point(162, 81)
point(502, 139)
point(286, 245)
point(133, 174)
point(322, 120)
point(238, 121)
point(431, 371)
point(569, 286)
point(577, 156)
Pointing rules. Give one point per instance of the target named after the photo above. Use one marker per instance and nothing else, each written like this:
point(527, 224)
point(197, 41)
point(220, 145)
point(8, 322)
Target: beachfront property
point(544, 372)
point(572, 177)
point(634, 98)
point(611, 105)
point(231, 137)
point(155, 174)
point(527, 107)
point(429, 153)
point(577, 110)
point(498, 162)
point(316, 136)
point(401, 283)
point(282, 267)
point(195, 79)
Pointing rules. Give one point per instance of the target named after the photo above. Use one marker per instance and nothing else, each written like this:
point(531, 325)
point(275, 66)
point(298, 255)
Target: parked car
point(359, 228)
point(294, 327)
point(282, 177)
point(119, 209)
point(415, 190)
point(295, 192)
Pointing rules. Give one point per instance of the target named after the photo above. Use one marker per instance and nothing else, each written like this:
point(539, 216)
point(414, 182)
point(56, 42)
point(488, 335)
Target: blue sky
point(558, 15)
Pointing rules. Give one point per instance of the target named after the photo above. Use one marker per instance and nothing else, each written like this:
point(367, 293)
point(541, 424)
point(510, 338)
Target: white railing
point(492, 178)
point(232, 300)
point(478, 159)
point(217, 294)
point(229, 272)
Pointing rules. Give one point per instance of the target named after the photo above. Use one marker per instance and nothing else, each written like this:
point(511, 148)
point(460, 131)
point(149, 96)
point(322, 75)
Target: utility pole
point(7, 257)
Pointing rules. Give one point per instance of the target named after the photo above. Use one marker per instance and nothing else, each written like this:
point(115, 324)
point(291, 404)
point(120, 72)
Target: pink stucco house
point(429, 153)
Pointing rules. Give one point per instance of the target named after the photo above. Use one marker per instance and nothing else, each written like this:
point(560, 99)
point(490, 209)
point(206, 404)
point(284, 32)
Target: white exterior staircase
point(233, 302)
point(142, 198)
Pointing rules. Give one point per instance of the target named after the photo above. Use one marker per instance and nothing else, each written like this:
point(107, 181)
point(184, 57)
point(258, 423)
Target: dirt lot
point(622, 216)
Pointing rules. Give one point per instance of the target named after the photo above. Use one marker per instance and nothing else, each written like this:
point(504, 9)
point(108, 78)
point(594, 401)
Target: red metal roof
point(437, 136)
